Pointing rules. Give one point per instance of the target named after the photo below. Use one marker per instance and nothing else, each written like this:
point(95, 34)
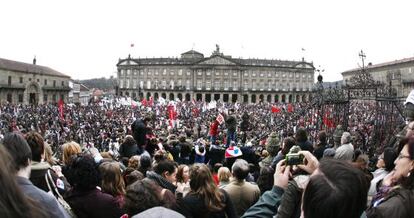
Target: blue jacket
point(47, 201)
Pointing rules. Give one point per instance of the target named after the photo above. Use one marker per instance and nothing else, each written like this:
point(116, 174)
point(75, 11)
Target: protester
point(205, 199)
point(231, 124)
point(325, 195)
point(143, 146)
point(21, 154)
point(128, 148)
point(183, 180)
point(13, 201)
point(164, 175)
point(346, 150)
point(385, 165)
point(112, 181)
point(265, 180)
point(272, 147)
point(142, 195)
point(243, 194)
point(85, 198)
point(321, 145)
point(399, 201)
point(224, 176)
point(41, 169)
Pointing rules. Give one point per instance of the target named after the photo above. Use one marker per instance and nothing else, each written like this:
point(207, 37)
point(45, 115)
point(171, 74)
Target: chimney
point(34, 60)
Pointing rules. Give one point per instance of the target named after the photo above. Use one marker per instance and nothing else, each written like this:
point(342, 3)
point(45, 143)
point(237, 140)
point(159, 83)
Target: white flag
point(410, 98)
point(220, 118)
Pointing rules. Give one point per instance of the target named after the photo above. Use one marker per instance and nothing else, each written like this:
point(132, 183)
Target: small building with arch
point(23, 83)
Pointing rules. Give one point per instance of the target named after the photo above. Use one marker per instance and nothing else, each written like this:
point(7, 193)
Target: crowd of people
point(194, 159)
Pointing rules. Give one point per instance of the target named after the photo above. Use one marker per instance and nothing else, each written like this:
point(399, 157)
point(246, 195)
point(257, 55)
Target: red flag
point(172, 114)
point(196, 112)
point(144, 102)
point(327, 121)
point(60, 104)
point(290, 108)
point(275, 109)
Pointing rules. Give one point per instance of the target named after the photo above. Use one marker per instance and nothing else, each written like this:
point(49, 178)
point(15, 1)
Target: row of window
point(45, 97)
point(21, 81)
point(226, 84)
point(217, 83)
point(147, 72)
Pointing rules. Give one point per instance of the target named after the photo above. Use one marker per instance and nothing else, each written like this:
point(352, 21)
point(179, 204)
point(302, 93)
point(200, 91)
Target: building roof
point(243, 62)
point(385, 64)
point(192, 52)
point(83, 88)
point(6, 64)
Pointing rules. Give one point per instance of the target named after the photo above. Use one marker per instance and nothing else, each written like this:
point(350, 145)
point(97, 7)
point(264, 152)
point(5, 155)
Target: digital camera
point(293, 158)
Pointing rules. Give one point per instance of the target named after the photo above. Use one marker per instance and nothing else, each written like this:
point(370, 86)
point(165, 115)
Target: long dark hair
point(202, 184)
point(13, 203)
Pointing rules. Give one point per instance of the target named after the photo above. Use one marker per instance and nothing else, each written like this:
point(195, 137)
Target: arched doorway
point(269, 98)
point(225, 97)
point(32, 93)
point(290, 98)
point(261, 97)
point(297, 98)
point(208, 97)
point(187, 97)
point(171, 96)
point(283, 98)
point(216, 97)
point(180, 96)
point(148, 95)
point(245, 98)
point(253, 98)
point(234, 98)
point(163, 95)
point(276, 98)
point(303, 98)
point(199, 97)
point(156, 96)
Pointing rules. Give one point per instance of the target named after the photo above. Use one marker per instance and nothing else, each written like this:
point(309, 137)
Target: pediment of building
point(127, 62)
point(217, 60)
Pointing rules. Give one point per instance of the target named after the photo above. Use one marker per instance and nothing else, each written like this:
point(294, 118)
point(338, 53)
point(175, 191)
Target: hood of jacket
point(40, 165)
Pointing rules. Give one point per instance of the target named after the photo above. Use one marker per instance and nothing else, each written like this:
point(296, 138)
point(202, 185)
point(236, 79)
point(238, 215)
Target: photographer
point(324, 196)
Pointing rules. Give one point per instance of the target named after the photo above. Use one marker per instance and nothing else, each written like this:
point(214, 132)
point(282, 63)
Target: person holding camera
point(335, 189)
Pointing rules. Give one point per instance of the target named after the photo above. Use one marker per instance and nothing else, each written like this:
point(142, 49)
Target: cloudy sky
point(85, 38)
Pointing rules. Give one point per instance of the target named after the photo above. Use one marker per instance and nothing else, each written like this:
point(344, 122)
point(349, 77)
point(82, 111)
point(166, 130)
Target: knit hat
point(233, 151)
point(329, 152)
point(272, 144)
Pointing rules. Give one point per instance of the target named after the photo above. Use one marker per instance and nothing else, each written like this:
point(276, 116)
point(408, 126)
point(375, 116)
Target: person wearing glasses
point(385, 165)
point(399, 202)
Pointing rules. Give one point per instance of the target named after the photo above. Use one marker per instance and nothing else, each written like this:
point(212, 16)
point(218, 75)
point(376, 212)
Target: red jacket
point(214, 128)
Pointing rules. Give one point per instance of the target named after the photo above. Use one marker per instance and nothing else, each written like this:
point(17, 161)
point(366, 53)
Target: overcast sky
point(85, 38)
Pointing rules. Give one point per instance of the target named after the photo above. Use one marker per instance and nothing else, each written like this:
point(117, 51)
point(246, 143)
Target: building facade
point(80, 94)
point(399, 73)
point(218, 77)
point(23, 83)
